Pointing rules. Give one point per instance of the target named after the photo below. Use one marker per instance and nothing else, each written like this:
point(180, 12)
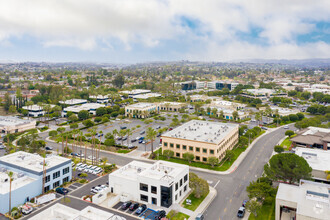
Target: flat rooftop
point(73, 101)
point(316, 158)
point(33, 162)
point(147, 95)
point(35, 107)
point(136, 91)
point(314, 130)
point(312, 198)
point(131, 170)
point(19, 180)
point(99, 96)
point(86, 106)
point(284, 110)
point(141, 105)
point(202, 131)
point(13, 121)
point(261, 91)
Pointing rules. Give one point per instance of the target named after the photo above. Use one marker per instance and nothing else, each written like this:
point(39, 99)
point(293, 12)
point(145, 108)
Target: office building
point(172, 106)
point(219, 85)
point(36, 110)
point(100, 98)
point(140, 110)
point(90, 107)
point(147, 95)
point(134, 92)
point(263, 94)
point(309, 200)
point(202, 138)
point(71, 102)
point(9, 124)
point(162, 183)
point(312, 137)
point(29, 171)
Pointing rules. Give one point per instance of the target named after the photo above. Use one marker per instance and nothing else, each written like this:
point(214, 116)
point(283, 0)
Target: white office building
point(90, 107)
point(36, 110)
point(29, 171)
point(9, 124)
point(100, 98)
point(162, 183)
point(73, 102)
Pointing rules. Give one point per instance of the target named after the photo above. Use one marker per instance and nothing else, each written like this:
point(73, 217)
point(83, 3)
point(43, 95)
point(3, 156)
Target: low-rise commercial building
point(71, 102)
point(263, 94)
point(312, 137)
point(133, 93)
point(147, 95)
point(203, 98)
point(172, 106)
point(90, 107)
point(36, 110)
point(162, 183)
point(318, 160)
point(100, 98)
point(283, 111)
point(29, 172)
point(140, 110)
point(204, 139)
point(219, 85)
point(227, 105)
point(9, 124)
point(309, 200)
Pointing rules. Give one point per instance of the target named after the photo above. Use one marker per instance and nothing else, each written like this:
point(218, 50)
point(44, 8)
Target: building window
point(47, 188)
point(176, 186)
point(144, 187)
point(181, 182)
point(211, 151)
point(178, 146)
point(204, 150)
point(56, 184)
point(171, 145)
point(185, 188)
point(185, 178)
point(144, 198)
point(56, 174)
point(154, 189)
point(184, 147)
point(47, 179)
point(180, 192)
point(176, 197)
point(204, 159)
point(177, 154)
point(198, 158)
point(197, 149)
point(191, 148)
point(66, 179)
point(154, 201)
point(66, 170)
point(165, 144)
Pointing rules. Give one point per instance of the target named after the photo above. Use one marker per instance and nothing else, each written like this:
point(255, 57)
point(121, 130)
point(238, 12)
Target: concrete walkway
point(203, 206)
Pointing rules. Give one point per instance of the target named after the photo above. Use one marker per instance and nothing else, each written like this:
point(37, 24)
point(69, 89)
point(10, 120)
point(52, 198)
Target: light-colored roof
point(73, 101)
point(32, 162)
point(13, 121)
point(285, 111)
point(86, 106)
point(19, 180)
point(147, 95)
point(131, 170)
point(141, 105)
point(99, 96)
point(311, 198)
point(260, 91)
point(316, 158)
point(203, 131)
point(35, 107)
point(136, 91)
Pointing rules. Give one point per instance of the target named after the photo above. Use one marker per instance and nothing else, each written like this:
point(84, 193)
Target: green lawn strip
point(195, 202)
point(267, 212)
point(123, 151)
point(180, 216)
point(287, 143)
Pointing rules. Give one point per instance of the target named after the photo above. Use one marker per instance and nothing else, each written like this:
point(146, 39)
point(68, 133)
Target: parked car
point(199, 216)
point(141, 209)
point(286, 127)
point(2, 147)
point(241, 212)
point(142, 132)
point(48, 148)
point(79, 164)
point(62, 190)
point(133, 140)
point(126, 205)
point(26, 209)
point(158, 127)
point(264, 128)
point(158, 135)
point(74, 154)
point(140, 141)
point(96, 189)
point(124, 138)
point(138, 138)
point(134, 206)
point(160, 214)
point(123, 127)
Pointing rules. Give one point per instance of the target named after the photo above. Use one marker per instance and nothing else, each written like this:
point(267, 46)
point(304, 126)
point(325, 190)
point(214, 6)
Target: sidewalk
point(205, 204)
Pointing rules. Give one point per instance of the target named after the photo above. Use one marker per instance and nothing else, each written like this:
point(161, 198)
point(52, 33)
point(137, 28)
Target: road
point(230, 187)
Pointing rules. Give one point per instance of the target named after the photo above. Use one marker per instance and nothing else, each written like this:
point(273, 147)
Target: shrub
point(52, 133)
point(98, 119)
point(278, 149)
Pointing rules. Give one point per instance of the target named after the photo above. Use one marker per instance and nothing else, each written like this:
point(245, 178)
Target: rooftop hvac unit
point(20, 175)
point(139, 170)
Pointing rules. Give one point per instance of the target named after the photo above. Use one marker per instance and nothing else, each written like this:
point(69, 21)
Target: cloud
point(217, 29)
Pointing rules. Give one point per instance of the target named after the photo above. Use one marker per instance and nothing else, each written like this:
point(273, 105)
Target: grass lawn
point(287, 143)
point(195, 202)
point(267, 212)
point(124, 151)
point(179, 216)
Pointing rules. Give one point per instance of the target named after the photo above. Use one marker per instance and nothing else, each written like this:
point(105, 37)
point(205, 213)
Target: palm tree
point(93, 133)
point(128, 133)
point(61, 130)
point(151, 135)
point(115, 133)
point(122, 133)
point(47, 108)
point(43, 173)
point(10, 174)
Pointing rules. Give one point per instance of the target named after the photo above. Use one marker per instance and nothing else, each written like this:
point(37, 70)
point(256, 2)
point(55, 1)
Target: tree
point(260, 190)
point(83, 114)
point(288, 167)
point(119, 81)
point(88, 123)
point(199, 186)
point(10, 175)
point(253, 206)
point(74, 126)
point(151, 135)
point(229, 155)
point(305, 95)
point(168, 154)
point(188, 156)
point(97, 119)
point(73, 118)
point(278, 149)
point(109, 142)
point(258, 117)
point(213, 161)
point(243, 141)
point(235, 115)
point(300, 116)
point(293, 117)
point(52, 133)
point(101, 111)
point(289, 133)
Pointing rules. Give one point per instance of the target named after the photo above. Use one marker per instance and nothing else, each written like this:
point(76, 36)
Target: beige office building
point(140, 110)
point(202, 138)
point(172, 106)
point(9, 124)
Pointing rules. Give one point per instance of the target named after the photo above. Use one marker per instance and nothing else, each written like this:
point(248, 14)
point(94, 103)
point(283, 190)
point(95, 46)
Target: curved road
point(230, 187)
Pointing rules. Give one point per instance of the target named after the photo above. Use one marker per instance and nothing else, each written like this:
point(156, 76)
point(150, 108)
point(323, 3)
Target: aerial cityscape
point(165, 110)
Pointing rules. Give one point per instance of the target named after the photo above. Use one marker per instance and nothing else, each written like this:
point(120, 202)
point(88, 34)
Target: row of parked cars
point(139, 209)
point(99, 188)
point(88, 168)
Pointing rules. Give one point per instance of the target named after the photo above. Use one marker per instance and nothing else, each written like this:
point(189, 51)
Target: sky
point(133, 31)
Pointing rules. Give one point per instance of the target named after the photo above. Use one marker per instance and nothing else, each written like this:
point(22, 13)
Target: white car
point(97, 171)
point(286, 127)
point(138, 138)
point(96, 189)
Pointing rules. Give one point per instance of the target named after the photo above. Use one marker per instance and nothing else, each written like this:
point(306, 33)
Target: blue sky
point(130, 31)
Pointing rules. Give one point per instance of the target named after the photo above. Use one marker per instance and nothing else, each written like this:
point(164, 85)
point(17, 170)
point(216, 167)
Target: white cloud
point(86, 24)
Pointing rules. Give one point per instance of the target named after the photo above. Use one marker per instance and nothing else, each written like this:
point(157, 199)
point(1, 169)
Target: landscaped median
point(173, 215)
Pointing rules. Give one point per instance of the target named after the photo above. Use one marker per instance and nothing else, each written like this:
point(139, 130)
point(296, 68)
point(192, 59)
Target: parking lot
point(86, 189)
point(146, 214)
